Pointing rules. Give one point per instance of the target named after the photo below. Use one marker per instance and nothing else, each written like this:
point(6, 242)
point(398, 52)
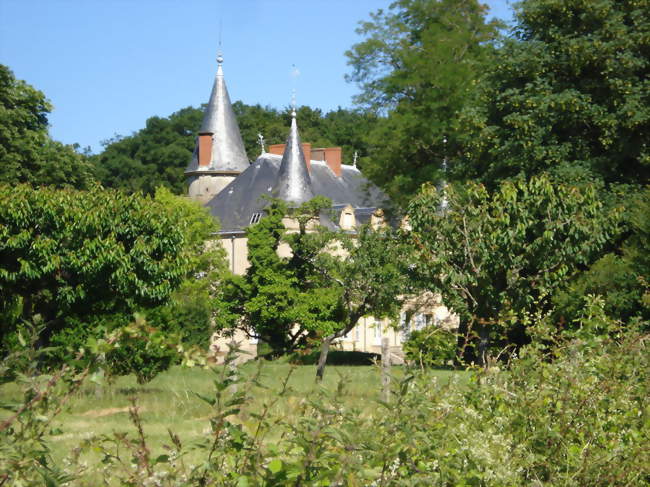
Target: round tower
point(219, 155)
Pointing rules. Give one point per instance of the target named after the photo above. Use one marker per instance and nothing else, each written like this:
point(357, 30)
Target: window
point(419, 321)
point(255, 218)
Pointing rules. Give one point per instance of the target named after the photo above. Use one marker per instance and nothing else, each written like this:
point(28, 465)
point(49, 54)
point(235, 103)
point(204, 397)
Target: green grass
point(169, 401)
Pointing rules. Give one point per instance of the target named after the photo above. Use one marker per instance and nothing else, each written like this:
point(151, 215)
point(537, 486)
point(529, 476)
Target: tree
point(277, 300)
point(27, 153)
point(370, 277)
point(69, 258)
point(620, 277)
point(191, 307)
point(570, 95)
point(155, 156)
point(417, 66)
point(498, 257)
point(320, 290)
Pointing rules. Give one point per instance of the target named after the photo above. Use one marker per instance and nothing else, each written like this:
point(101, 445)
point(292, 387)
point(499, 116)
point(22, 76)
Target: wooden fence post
point(233, 345)
point(385, 370)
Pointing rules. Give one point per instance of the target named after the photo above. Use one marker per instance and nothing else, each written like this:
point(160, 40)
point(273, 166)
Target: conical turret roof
point(228, 153)
point(293, 184)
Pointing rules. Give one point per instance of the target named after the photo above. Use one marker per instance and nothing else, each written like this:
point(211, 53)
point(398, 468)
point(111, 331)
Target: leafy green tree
point(569, 94)
point(68, 258)
point(498, 257)
point(27, 153)
point(275, 300)
point(370, 277)
point(418, 65)
point(155, 156)
point(191, 308)
point(328, 282)
point(620, 277)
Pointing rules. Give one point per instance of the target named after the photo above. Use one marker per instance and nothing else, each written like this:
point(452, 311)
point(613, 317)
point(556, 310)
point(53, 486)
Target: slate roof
point(245, 195)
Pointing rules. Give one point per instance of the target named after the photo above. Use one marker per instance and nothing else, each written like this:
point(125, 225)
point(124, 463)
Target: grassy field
point(170, 401)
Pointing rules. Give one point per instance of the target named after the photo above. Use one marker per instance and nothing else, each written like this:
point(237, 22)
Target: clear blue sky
point(109, 65)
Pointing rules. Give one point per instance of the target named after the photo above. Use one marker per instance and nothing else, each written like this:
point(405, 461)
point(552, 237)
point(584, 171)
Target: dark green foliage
point(27, 153)
point(570, 94)
point(155, 156)
point(418, 65)
point(431, 346)
point(620, 277)
point(146, 355)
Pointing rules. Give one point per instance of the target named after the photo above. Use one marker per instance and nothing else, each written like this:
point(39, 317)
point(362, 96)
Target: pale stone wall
point(204, 187)
point(236, 254)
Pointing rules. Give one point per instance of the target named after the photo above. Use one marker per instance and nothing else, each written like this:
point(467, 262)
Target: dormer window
point(255, 218)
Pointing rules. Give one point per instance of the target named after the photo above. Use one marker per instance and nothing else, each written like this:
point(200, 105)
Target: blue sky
point(109, 65)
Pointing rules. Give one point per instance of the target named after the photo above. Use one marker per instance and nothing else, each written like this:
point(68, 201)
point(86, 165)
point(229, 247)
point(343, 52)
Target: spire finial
point(444, 159)
point(219, 57)
point(260, 139)
point(354, 162)
point(293, 103)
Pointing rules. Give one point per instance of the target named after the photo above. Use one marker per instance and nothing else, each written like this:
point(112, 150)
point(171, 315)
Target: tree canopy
point(417, 66)
point(311, 283)
point(499, 257)
point(27, 153)
point(76, 255)
point(570, 94)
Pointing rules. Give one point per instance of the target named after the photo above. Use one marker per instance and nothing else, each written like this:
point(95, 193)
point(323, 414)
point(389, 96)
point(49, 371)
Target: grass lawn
point(169, 402)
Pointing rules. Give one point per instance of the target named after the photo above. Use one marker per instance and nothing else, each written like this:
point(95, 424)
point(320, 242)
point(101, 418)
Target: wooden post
point(385, 370)
point(232, 365)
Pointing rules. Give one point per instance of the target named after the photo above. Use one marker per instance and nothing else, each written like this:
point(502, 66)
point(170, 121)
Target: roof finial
point(444, 158)
point(444, 202)
point(260, 139)
point(354, 161)
point(293, 103)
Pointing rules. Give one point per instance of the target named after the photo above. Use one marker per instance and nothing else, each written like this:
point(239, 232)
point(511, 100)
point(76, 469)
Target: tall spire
point(228, 153)
point(293, 184)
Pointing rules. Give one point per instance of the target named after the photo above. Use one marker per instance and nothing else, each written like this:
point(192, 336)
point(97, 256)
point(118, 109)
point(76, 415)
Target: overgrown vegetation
point(570, 411)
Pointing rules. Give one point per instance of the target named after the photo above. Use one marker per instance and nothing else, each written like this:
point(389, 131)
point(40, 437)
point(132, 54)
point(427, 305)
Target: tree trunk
point(483, 344)
point(464, 347)
point(324, 350)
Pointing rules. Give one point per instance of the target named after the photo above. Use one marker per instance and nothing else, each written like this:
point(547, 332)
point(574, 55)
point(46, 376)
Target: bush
point(431, 346)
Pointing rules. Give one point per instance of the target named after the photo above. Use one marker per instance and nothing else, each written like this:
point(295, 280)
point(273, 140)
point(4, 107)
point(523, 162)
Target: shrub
point(431, 346)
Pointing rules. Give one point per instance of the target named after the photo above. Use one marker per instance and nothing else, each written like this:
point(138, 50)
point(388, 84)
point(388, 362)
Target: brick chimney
point(333, 160)
point(205, 149)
